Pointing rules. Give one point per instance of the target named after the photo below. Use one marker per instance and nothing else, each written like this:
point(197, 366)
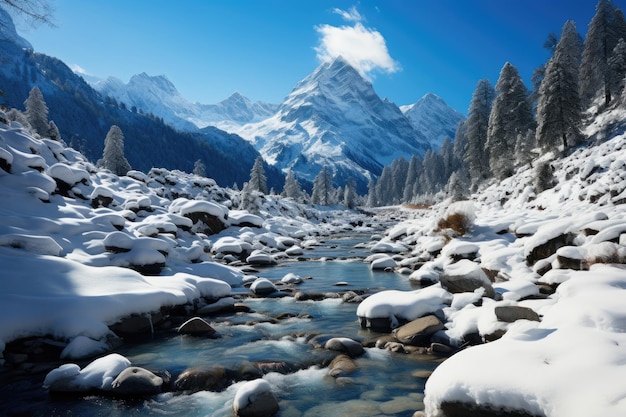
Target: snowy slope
point(82, 248)
point(558, 259)
point(431, 116)
point(333, 117)
point(157, 95)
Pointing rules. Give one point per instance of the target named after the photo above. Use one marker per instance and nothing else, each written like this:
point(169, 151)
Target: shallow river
point(385, 383)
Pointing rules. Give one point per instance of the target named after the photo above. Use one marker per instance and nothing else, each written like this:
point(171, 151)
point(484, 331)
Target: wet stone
point(196, 326)
point(135, 381)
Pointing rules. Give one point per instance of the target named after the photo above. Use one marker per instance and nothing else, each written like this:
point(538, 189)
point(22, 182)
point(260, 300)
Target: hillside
point(536, 276)
point(84, 117)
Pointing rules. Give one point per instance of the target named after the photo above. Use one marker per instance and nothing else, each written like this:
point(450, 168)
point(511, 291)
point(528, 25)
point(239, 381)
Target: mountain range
point(333, 118)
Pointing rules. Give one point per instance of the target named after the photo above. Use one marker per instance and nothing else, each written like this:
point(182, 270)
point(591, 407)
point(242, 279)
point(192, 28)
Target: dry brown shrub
point(458, 222)
point(422, 206)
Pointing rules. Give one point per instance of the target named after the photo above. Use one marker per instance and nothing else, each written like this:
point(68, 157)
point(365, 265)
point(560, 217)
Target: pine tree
point(372, 198)
point(460, 144)
point(524, 147)
point(258, 181)
point(322, 188)
point(447, 158)
point(250, 199)
point(617, 67)
point(349, 194)
point(476, 157)
point(53, 131)
point(544, 177)
point(412, 177)
point(558, 108)
point(113, 157)
point(455, 187)
point(605, 29)
point(37, 112)
point(510, 120)
point(292, 188)
point(199, 168)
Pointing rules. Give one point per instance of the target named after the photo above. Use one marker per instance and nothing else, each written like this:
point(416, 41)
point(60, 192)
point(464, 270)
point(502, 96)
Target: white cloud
point(351, 15)
point(363, 48)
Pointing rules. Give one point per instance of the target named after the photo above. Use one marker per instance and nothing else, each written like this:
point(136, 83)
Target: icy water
point(384, 383)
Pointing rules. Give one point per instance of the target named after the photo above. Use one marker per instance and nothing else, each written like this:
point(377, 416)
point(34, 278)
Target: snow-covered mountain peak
point(154, 83)
point(433, 117)
point(334, 118)
point(8, 32)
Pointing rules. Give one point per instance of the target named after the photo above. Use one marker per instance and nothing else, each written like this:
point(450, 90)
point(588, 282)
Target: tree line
point(509, 127)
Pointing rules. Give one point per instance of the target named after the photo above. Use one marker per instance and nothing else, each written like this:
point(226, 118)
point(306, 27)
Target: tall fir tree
point(37, 112)
point(476, 157)
point(605, 29)
point(617, 68)
point(258, 180)
point(412, 178)
point(559, 115)
point(292, 188)
point(349, 194)
point(322, 187)
point(113, 157)
point(372, 198)
point(510, 120)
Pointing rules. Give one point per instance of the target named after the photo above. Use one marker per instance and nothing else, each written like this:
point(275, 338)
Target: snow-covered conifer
point(349, 194)
point(113, 157)
point(292, 188)
point(372, 199)
point(511, 119)
point(37, 112)
point(53, 131)
point(605, 29)
point(558, 108)
point(456, 188)
point(412, 177)
point(199, 168)
point(617, 67)
point(544, 176)
point(476, 157)
point(322, 188)
point(258, 181)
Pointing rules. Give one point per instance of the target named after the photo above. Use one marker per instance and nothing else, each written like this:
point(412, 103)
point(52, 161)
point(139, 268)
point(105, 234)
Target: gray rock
point(510, 314)
point(342, 364)
point(212, 379)
point(196, 326)
point(419, 331)
point(134, 381)
point(345, 345)
point(264, 404)
point(459, 283)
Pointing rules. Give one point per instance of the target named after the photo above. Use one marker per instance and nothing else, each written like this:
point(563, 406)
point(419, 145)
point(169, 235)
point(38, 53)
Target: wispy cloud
point(362, 47)
point(351, 15)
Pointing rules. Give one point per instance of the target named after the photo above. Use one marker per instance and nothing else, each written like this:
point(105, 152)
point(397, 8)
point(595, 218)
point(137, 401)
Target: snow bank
point(396, 305)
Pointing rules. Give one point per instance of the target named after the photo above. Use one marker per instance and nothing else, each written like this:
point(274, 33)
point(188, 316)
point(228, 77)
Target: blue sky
point(262, 48)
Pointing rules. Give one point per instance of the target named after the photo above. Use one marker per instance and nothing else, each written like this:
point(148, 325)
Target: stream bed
point(384, 383)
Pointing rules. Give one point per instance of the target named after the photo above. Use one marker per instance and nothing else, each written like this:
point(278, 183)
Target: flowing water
point(384, 383)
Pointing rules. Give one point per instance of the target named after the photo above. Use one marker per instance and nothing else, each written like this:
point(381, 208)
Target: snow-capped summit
point(432, 116)
point(334, 118)
point(159, 96)
point(150, 94)
point(8, 32)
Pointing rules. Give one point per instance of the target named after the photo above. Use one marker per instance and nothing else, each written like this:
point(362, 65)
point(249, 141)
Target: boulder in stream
point(255, 399)
point(135, 381)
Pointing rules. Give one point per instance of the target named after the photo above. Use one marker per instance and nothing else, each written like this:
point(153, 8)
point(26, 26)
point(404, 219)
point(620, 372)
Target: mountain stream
point(384, 383)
